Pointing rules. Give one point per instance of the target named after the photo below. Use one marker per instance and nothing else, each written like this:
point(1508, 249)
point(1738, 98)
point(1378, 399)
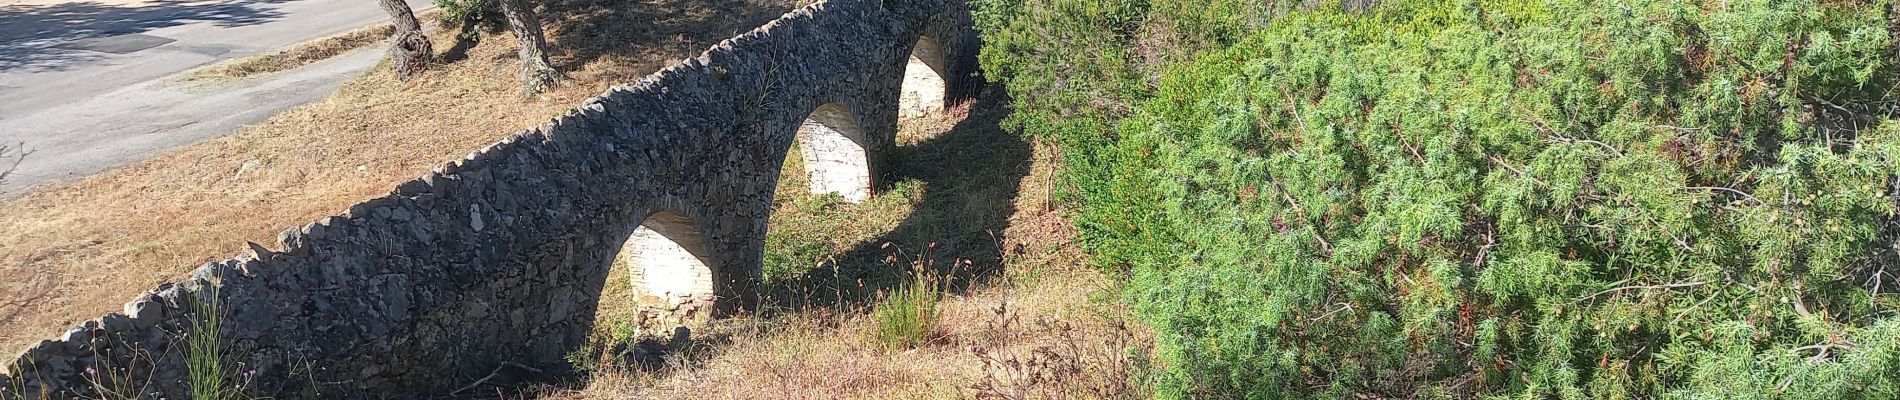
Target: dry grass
point(296, 56)
point(103, 239)
point(817, 356)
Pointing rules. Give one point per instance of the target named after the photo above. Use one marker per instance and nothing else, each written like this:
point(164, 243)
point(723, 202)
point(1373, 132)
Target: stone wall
point(499, 259)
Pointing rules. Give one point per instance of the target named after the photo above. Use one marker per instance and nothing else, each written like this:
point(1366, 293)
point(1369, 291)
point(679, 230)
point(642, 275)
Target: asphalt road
point(85, 87)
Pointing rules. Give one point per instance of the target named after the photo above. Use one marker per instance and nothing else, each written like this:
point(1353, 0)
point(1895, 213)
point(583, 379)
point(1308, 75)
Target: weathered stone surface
point(144, 312)
point(501, 257)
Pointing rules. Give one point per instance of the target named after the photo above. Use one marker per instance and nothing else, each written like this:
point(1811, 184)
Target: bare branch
point(1310, 224)
point(1566, 140)
point(1647, 287)
point(18, 156)
point(1507, 165)
point(1744, 195)
point(491, 375)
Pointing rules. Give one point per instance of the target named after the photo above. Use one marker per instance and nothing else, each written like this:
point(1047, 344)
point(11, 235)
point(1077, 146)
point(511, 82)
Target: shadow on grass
point(970, 176)
point(471, 30)
point(647, 31)
point(643, 36)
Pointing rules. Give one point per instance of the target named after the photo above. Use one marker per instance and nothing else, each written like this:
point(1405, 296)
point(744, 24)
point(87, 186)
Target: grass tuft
point(204, 355)
point(908, 317)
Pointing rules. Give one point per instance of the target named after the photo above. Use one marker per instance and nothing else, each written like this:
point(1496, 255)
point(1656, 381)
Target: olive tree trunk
point(409, 49)
point(535, 73)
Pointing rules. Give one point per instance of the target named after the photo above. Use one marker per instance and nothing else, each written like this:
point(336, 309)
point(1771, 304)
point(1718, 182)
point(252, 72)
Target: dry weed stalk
point(1069, 361)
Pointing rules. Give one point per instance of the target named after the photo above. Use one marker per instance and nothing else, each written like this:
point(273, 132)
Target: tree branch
point(1744, 195)
point(497, 371)
point(1647, 287)
point(1566, 140)
point(1506, 165)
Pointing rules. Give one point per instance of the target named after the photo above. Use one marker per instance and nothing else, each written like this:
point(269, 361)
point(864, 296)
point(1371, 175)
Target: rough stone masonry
point(499, 259)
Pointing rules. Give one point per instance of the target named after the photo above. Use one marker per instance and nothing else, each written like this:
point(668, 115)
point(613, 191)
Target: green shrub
point(908, 316)
point(461, 11)
point(1540, 199)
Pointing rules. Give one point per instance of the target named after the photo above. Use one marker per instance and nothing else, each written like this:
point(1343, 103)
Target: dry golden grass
point(79, 250)
point(296, 56)
point(813, 356)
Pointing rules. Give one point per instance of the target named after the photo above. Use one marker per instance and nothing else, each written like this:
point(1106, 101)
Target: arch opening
point(832, 146)
point(924, 84)
point(669, 269)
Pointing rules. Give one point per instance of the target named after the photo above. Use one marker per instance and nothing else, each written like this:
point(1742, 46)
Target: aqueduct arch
point(499, 258)
point(924, 83)
point(835, 151)
point(670, 265)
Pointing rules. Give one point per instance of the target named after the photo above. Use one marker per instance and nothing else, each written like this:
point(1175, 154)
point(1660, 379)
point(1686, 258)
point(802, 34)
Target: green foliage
point(205, 371)
point(907, 317)
point(1536, 199)
point(790, 254)
point(607, 350)
point(461, 11)
point(809, 229)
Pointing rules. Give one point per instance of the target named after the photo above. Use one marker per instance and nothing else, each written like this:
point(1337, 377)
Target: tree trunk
point(535, 73)
point(409, 49)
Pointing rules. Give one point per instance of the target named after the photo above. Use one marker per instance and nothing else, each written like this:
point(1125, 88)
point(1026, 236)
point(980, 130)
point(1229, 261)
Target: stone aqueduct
point(500, 258)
